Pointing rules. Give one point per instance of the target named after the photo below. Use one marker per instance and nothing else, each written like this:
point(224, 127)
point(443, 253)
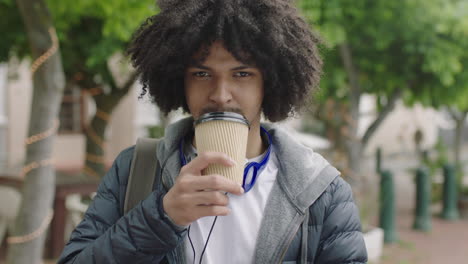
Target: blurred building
point(3, 116)
point(397, 133)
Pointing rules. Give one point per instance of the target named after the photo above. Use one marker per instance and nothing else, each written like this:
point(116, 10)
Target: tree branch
point(382, 115)
point(454, 114)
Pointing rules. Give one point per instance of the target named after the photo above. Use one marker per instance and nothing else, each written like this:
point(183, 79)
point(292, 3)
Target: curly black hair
point(267, 33)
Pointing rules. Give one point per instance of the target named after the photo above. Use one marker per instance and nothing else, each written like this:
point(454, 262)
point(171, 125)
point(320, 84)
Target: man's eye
point(200, 74)
point(242, 74)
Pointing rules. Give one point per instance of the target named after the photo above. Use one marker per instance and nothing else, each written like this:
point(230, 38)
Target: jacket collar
point(303, 176)
point(299, 166)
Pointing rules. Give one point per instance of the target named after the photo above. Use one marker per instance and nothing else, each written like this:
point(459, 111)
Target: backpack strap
point(305, 236)
point(142, 172)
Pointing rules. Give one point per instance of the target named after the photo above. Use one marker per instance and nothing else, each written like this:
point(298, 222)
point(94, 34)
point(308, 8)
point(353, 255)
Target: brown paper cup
point(224, 136)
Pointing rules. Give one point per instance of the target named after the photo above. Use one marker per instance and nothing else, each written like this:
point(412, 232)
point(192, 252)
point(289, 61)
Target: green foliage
point(12, 41)
point(155, 131)
point(441, 157)
point(417, 45)
point(464, 191)
point(446, 56)
point(89, 31)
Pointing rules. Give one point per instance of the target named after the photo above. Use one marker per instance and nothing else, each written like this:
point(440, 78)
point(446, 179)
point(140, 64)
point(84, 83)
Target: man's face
point(222, 83)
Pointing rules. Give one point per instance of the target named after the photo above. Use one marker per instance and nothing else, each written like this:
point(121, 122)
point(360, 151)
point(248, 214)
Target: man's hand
point(194, 196)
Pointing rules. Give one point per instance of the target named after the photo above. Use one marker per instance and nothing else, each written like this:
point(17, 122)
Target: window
point(72, 111)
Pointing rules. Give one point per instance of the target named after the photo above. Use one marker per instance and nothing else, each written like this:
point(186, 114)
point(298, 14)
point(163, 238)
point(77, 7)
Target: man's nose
point(221, 93)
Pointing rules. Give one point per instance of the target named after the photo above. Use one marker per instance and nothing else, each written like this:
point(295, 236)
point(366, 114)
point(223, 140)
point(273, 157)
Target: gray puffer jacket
point(310, 213)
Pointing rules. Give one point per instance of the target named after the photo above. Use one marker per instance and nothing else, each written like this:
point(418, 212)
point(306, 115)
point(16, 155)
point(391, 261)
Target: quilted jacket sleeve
point(341, 240)
point(144, 235)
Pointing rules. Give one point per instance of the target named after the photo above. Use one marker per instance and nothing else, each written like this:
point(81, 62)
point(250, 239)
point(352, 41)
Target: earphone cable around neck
point(206, 243)
point(191, 244)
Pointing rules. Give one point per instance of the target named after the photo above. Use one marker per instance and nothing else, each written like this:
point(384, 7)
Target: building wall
point(19, 93)
point(396, 133)
point(122, 131)
point(3, 116)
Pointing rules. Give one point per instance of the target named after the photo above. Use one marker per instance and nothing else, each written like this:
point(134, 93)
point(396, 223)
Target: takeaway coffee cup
point(225, 132)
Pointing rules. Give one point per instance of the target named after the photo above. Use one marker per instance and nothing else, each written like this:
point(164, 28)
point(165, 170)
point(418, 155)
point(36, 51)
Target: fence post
point(423, 199)
point(387, 206)
point(450, 210)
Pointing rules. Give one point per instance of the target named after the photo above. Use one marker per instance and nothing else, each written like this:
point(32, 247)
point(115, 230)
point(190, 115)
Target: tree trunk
point(96, 131)
point(458, 142)
point(353, 143)
point(39, 185)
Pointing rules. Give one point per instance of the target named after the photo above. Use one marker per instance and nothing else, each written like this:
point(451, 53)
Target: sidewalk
point(446, 243)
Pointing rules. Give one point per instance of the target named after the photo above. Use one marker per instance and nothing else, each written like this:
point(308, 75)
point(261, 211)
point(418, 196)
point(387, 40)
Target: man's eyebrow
point(199, 66)
point(241, 67)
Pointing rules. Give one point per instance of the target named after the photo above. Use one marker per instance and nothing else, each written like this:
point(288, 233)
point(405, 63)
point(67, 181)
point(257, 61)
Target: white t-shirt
point(234, 236)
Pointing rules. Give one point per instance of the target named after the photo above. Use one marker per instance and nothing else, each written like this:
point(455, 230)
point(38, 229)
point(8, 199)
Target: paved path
point(446, 243)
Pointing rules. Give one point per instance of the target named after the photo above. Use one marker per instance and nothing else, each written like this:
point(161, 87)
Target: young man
point(244, 56)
